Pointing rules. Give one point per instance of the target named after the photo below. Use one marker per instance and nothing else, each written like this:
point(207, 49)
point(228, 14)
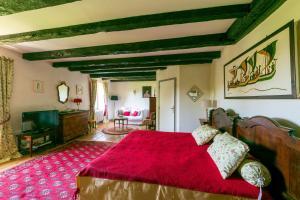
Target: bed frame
point(272, 144)
point(223, 120)
point(277, 148)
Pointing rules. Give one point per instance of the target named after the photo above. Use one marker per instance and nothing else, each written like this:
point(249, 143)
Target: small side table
point(121, 121)
point(203, 121)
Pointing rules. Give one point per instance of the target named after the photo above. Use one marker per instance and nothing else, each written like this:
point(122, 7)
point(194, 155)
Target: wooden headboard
point(223, 120)
point(277, 148)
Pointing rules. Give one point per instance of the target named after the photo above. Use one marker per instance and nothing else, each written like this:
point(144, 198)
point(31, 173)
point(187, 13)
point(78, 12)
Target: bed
point(161, 165)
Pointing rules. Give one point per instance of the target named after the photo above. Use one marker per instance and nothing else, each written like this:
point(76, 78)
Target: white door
point(167, 105)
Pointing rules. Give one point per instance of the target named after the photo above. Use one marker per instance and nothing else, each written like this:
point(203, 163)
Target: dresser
point(72, 125)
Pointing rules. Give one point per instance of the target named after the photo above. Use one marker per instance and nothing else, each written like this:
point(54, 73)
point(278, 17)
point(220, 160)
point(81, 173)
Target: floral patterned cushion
point(255, 173)
point(218, 136)
point(204, 134)
point(227, 152)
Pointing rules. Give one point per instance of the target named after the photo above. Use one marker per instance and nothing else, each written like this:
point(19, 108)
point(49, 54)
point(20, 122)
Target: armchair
point(150, 123)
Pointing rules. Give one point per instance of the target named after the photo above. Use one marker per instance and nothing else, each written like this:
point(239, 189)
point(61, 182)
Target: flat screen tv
point(40, 120)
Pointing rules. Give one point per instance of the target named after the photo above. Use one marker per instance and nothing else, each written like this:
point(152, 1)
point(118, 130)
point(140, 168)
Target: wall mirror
point(194, 93)
point(63, 92)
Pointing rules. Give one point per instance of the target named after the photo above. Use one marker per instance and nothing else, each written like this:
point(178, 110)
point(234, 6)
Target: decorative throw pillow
point(126, 113)
point(255, 173)
point(227, 152)
point(204, 134)
point(135, 113)
point(218, 136)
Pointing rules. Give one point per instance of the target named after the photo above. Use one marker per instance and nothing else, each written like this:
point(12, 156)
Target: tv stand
point(33, 140)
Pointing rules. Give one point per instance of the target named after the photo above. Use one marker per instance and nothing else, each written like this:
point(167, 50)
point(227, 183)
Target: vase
point(78, 106)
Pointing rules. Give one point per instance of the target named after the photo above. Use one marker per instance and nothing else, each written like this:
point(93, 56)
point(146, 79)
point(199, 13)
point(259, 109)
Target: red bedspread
point(171, 159)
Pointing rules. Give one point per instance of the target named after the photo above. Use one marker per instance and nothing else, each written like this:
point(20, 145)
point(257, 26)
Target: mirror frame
point(60, 84)
point(195, 90)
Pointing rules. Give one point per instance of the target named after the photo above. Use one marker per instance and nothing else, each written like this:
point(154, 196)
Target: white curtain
point(105, 86)
point(100, 102)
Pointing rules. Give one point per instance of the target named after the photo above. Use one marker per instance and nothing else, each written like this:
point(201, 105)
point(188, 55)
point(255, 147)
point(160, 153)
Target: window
point(100, 98)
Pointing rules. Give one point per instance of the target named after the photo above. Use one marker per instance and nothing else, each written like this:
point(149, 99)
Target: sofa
point(135, 116)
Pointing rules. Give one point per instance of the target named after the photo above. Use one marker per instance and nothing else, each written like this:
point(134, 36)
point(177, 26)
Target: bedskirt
point(92, 188)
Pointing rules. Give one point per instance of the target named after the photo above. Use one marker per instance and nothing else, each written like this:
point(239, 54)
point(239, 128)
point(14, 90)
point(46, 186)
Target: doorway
point(167, 105)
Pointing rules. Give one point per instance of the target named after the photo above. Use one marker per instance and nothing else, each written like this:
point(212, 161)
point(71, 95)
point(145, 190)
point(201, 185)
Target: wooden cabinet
point(72, 125)
point(152, 104)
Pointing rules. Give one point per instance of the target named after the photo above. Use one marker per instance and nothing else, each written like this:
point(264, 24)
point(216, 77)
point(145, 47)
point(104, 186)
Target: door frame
point(175, 103)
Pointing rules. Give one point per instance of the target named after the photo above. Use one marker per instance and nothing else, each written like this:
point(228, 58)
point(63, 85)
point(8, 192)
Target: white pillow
point(204, 134)
point(227, 152)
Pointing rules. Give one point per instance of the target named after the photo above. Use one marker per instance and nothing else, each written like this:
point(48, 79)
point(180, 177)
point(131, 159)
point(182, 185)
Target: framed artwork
point(194, 93)
point(146, 91)
point(79, 90)
point(264, 71)
point(38, 86)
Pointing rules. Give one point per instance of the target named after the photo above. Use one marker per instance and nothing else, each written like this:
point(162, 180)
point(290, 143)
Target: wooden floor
point(96, 135)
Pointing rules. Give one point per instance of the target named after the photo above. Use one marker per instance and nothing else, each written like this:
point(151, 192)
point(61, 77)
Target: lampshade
point(114, 98)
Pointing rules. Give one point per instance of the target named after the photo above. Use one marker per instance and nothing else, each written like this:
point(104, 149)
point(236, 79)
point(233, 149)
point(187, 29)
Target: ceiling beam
point(8, 7)
point(123, 74)
point(145, 59)
point(140, 69)
point(130, 23)
point(139, 65)
point(134, 80)
point(260, 10)
point(136, 47)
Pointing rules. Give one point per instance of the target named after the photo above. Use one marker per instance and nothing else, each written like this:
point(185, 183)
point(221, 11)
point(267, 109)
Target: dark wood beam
point(145, 59)
point(140, 69)
point(136, 47)
point(123, 74)
point(8, 7)
point(131, 78)
point(161, 64)
point(134, 80)
point(259, 11)
point(129, 23)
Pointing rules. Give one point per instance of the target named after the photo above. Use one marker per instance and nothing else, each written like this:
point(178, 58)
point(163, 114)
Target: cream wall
point(288, 109)
point(23, 97)
point(190, 111)
point(187, 111)
point(127, 98)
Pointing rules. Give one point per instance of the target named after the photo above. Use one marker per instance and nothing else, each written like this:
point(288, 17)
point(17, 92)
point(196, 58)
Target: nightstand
point(203, 121)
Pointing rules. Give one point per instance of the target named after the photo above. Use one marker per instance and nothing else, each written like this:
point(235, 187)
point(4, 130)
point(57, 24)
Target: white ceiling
point(87, 11)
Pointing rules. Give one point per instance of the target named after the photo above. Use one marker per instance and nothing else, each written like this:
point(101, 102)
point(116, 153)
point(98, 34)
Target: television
point(38, 121)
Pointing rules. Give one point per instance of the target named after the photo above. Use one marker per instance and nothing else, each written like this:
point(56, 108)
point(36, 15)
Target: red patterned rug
point(52, 176)
point(117, 131)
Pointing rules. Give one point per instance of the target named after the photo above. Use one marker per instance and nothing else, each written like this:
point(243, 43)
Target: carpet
point(52, 176)
point(117, 131)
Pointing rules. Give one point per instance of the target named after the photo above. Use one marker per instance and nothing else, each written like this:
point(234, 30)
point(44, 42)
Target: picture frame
point(38, 86)
point(79, 89)
point(264, 71)
point(146, 91)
